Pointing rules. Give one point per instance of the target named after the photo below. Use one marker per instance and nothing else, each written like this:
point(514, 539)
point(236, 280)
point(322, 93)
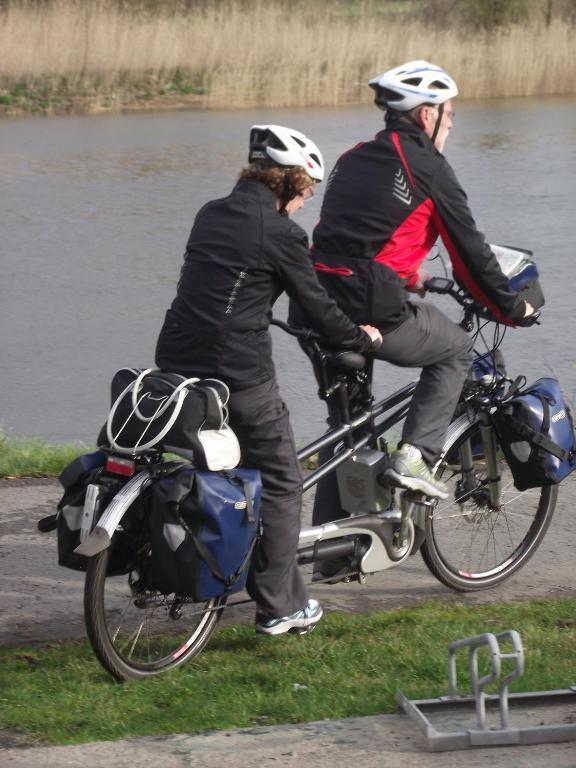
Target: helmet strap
point(438, 121)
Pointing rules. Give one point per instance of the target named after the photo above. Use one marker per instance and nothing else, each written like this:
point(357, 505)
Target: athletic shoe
point(408, 469)
point(301, 622)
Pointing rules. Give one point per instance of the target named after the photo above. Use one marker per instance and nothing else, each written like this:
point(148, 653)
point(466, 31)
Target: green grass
point(350, 666)
point(33, 457)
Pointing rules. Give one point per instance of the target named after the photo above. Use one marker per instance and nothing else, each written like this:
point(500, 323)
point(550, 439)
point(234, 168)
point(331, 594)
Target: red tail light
point(119, 466)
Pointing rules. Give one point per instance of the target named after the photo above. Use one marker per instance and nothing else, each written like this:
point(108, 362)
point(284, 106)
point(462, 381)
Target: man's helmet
point(287, 147)
point(411, 85)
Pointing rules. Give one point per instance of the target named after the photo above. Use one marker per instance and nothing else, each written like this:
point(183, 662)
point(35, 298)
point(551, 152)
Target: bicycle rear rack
point(455, 713)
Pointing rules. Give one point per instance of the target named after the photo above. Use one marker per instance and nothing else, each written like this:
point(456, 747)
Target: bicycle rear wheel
point(136, 631)
point(471, 544)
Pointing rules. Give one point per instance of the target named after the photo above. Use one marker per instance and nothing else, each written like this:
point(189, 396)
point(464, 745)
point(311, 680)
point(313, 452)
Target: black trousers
point(261, 421)
point(427, 339)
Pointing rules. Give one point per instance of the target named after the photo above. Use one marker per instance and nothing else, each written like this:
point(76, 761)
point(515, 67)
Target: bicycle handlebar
point(442, 285)
point(446, 286)
point(300, 333)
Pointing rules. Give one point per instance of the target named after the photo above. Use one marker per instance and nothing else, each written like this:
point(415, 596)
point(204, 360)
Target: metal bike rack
point(455, 722)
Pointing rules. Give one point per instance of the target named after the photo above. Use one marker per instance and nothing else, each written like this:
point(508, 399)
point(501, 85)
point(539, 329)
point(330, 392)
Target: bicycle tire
point(470, 546)
point(138, 632)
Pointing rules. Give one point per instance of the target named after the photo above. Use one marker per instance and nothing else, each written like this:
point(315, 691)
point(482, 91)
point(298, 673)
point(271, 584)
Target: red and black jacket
point(386, 203)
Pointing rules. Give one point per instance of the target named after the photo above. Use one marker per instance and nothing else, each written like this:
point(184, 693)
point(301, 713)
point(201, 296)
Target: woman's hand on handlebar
point(374, 334)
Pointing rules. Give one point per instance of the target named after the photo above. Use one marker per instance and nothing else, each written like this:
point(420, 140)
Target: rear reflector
point(118, 466)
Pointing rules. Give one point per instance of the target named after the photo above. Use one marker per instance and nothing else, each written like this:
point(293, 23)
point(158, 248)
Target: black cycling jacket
point(241, 255)
point(385, 205)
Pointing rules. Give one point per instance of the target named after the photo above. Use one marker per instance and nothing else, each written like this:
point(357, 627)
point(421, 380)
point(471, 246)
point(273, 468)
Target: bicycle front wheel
point(472, 544)
point(136, 631)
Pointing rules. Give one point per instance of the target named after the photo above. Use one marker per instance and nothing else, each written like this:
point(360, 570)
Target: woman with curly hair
point(242, 254)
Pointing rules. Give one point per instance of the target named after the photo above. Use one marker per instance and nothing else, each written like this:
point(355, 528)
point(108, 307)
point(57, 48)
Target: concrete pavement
point(388, 741)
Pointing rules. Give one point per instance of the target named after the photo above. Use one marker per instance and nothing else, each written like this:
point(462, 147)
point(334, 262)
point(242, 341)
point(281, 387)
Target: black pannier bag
point(169, 412)
point(204, 529)
point(537, 435)
point(523, 276)
point(77, 479)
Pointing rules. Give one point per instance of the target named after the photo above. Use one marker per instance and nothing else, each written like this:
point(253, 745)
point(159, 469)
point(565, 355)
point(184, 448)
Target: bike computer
point(439, 285)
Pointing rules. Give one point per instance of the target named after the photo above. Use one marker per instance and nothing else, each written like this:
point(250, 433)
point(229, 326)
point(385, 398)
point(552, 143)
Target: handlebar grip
point(299, 333)
point(526, 322)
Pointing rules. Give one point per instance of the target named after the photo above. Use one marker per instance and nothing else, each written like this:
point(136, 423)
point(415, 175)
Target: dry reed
point(258, 54)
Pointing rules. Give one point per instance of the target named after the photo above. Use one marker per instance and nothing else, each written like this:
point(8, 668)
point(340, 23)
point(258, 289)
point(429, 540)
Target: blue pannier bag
point(204, 528)
point(537, 435)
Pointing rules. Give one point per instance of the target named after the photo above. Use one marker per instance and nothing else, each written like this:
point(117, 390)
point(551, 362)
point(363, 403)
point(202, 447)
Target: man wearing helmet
point(242, 253)
point(386, 203)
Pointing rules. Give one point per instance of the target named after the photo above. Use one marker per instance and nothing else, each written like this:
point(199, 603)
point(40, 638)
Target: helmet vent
point(412, 80)
point(299, 141)
point(387, 95)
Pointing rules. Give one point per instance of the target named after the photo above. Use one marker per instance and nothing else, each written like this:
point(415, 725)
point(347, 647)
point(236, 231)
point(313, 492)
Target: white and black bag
point(166, 411)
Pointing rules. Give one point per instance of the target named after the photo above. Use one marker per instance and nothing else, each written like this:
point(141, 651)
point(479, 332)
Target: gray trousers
point(427, 339)
point(261, 420)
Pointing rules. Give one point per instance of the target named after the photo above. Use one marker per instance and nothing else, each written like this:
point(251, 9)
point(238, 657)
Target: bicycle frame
point(378, 540)
point(347, 430)
point(390, 535)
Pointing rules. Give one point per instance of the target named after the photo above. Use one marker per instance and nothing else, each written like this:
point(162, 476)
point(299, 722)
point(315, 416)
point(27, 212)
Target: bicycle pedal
point(301, 630)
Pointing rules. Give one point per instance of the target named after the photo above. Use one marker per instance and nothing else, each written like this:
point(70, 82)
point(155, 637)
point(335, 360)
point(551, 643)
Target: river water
point(95, 212)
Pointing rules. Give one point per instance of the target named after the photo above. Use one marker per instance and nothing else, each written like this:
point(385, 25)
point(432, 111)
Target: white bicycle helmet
point(287, 147)
point(411, 85)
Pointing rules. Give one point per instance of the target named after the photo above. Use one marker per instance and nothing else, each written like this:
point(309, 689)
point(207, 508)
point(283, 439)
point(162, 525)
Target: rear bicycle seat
point(334, 367)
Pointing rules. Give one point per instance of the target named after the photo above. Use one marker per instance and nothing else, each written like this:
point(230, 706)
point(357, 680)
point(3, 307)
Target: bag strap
point(537, 438)
point(250, 516)
point(180, 393)
point(210, 560)
point(212, 563)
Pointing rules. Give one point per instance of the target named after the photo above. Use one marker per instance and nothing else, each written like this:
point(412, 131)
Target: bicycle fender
point(101, 535)
point(456, 428)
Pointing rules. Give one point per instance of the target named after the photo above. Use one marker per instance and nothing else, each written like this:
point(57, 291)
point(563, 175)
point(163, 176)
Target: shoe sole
point(298, 626)
point(415, 484)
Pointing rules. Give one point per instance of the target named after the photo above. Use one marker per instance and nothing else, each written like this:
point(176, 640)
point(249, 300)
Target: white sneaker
point(301, 621)
point(409, 470)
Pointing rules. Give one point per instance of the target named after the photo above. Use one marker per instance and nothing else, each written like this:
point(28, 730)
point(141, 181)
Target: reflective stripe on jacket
point(241, 255)
point(386, 203)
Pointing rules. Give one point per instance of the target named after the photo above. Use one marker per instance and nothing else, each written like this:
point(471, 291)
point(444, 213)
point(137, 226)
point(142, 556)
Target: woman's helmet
point(287, 147)
point(411, 85)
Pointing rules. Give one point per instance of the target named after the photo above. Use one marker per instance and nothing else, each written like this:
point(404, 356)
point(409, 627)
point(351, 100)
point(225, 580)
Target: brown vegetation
point(107, 54)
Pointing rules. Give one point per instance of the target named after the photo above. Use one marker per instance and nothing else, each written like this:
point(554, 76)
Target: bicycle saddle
point(345, 360)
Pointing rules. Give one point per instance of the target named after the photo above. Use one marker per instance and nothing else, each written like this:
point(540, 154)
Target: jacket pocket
point(347, 284)
point(386, 297)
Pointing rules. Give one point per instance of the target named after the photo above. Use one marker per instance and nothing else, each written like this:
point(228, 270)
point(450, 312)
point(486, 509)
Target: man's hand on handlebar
point(374, 334)
point(419, 286)
point(531, 317)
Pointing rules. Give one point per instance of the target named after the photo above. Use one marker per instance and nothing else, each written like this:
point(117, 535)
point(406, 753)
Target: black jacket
point(385, 205)
point(241, 255)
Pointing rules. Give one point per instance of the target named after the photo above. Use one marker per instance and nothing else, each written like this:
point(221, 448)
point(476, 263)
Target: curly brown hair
point(286, 183)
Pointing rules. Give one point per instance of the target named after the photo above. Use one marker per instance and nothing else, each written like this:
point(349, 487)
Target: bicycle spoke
point(471, 543)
